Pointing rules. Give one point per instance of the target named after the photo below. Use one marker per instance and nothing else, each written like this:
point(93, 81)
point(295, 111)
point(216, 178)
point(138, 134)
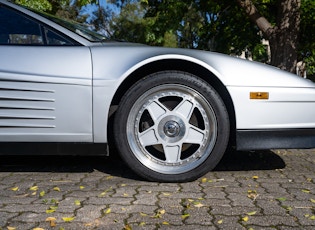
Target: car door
point(45, 83)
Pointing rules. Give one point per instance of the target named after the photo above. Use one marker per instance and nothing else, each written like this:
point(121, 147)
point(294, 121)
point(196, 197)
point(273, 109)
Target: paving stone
point(101, 193)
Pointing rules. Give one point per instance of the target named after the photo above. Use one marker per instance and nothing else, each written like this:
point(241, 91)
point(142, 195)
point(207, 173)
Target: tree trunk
point(283, 37)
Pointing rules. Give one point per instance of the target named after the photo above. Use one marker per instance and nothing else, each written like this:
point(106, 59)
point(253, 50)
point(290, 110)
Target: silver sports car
point(171, 112)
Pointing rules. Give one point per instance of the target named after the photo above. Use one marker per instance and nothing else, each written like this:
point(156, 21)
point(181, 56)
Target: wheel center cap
point(171, 128)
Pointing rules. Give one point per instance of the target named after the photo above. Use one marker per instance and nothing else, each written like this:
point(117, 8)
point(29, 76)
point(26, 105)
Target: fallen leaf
point(312, 218)
point(127, 227)
point(255, 177)
point(34, 188)
point(50, 211)
point(184, 216)
point(251, 213)
point(306, 191)
point(143, 214)
point(220, 221)
point(252, 194)
point(198, 205)
point(77, 202)
point(68, 219)
point(15, 189)
point(52, 221)
point(42, 193)
point(204, 180)
point(166, 194)
point(159, 214)
point(313, 200)
point(142, 224)
point(281, 199)
point(245, 218)
point(11, 228)
point(165, 223)
point(82, 187)
point(53, 201)
point(38, 229)
point(107, 211)
point(56, 189)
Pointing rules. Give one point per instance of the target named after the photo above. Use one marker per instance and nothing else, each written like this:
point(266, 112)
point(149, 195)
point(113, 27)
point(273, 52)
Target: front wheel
point(171, 127)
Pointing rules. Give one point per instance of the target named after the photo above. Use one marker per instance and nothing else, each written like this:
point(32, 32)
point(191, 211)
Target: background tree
point(282, 33)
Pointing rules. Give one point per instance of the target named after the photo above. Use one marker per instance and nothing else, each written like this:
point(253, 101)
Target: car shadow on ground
point(38, 158)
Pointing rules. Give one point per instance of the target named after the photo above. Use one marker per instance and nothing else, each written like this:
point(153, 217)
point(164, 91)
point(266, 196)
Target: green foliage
point(41, 5)
point(307, 35)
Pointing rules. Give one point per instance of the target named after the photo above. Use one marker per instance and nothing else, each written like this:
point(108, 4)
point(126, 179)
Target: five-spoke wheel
point(171, 126)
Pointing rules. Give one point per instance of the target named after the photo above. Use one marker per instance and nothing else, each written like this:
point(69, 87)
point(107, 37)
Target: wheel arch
point(185, 66)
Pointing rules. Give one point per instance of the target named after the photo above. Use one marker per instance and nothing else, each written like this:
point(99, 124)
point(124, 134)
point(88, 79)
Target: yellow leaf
point(38, 229)
point(34, 193)
point(184, 216)
point(165, 223)
point(251, 213)
point(166, 194)
point(42, 193)
point(68, 219)
point(53, 207)
point(313, 200)
point(143, 214)
point(50, 211)
point(198, 205)
point(109, 177)
point(11, 228)
point(126, 194)
point(312, 218)
point(306, 190)
point(245, 218)
point(255, 177)
point(142, 224)
point(34, 188)
point(102, 194)
point(82, 187)
point(15, 189)
point(220, 221)
point(56, 189)
point(107, 211)
point(77, 202)
point(204, 180)
point(123, 185)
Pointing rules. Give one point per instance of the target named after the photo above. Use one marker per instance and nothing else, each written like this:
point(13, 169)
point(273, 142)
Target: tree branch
point(252, 12)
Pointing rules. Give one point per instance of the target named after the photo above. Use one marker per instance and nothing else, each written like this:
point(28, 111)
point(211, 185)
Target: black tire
point(171, 127)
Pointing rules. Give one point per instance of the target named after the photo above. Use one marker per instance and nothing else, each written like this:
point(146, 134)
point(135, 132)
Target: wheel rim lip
point(182, 166)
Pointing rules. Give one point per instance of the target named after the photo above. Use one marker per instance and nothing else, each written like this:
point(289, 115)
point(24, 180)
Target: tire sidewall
point(171, 77)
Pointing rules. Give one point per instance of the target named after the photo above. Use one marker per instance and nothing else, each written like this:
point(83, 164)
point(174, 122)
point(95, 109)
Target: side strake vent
point(26, 105)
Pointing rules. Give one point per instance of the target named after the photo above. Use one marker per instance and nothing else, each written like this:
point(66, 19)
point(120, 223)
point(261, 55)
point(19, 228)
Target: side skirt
point(50, 149)
point(275, 139)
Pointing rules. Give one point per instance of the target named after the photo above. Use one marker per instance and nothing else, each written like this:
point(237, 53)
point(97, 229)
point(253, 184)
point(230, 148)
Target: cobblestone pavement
point(248, 190)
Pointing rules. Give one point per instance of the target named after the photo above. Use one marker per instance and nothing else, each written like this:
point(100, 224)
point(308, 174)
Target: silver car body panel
point(64, 94)
point(45, 94)
point(239, 76)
